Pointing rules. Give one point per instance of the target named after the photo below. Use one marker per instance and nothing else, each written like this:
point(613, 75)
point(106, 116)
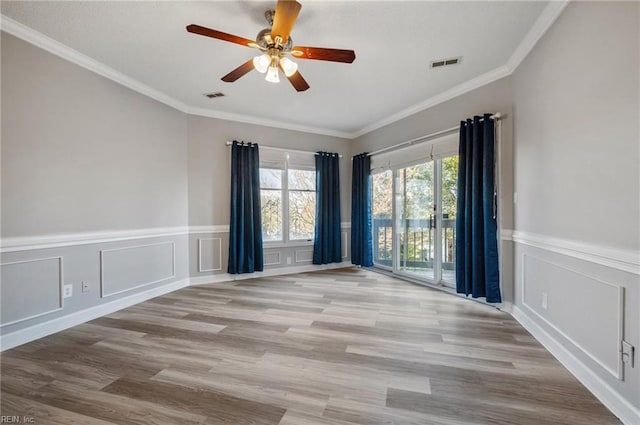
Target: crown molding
point(548, 16)
point(460, 89)
point(44, 42)
point(247, 119)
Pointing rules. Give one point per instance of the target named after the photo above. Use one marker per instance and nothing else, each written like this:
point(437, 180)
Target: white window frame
point(435, 152)
point(286, 242)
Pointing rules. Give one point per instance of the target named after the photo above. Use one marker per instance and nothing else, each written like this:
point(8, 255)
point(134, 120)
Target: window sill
point(268, 245)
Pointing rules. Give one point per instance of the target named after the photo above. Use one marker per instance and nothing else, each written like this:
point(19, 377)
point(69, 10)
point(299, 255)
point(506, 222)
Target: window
point(302, 204)
point(271, 202)
point(288, 197)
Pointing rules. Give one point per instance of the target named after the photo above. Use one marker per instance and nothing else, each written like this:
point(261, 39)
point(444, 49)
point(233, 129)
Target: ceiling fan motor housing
point(264, 40)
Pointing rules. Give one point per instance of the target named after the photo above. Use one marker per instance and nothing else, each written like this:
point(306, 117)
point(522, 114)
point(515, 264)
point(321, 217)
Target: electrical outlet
point(68, 291)
point(545, 300)
point(288, 260)
point(85, 286)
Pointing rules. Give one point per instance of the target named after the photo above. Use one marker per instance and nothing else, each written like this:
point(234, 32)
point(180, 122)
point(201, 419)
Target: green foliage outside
point(416, 190)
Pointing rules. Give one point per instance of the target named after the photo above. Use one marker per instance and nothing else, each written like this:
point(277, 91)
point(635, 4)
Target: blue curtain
point(361, 195)
point(327, 246)
point(476, 228)
point(245, 233)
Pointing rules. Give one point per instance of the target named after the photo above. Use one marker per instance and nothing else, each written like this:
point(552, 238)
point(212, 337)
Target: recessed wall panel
point(593, 322)
point(123, 269)
point(30, 288)
point(272, 258)
point(345, 253)
point(304, 255)
point(210, 254)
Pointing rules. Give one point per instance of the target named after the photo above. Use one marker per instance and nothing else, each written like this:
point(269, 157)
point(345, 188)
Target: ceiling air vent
point(212, 95)
point(445, 62)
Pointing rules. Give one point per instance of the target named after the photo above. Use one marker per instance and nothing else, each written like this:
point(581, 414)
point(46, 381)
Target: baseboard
point(226, 277)
point(40, 330)
point(506, 306)
point(618, 405)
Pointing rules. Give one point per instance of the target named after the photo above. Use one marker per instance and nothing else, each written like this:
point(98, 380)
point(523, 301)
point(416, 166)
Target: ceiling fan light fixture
point(272, 75)
point(261, 63)
point(288, 66)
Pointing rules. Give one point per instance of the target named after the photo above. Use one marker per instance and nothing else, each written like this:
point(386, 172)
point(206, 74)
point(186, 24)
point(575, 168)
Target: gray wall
point(81, 153)
point(209, 162)
point(494, 97)
point(577, 178)
point(86, 158)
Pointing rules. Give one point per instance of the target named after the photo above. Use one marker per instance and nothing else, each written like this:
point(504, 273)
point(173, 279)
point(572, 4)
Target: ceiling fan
point(276, 45)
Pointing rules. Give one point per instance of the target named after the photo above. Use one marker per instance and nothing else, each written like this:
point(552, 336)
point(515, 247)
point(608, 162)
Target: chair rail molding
point(621, 259)
point(28, 243)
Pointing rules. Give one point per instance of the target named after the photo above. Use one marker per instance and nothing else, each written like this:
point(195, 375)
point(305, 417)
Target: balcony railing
point(416, 243)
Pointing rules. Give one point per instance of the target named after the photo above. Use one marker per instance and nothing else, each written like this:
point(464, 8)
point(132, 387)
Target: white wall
point(577, 218)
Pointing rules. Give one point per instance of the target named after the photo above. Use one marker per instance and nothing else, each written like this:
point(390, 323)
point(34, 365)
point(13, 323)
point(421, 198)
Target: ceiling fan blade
point(296, 80)
point(238, 72)
point(208, 32)
point(284, 19)
point(322, 54)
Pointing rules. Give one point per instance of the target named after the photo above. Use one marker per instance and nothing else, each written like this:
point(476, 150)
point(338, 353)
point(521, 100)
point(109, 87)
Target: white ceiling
point(394, 43)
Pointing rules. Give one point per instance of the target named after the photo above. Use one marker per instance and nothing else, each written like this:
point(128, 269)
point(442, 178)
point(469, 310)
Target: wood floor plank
point(334, 347)
point(27, 410)
point(219, 408)
point(110, 407)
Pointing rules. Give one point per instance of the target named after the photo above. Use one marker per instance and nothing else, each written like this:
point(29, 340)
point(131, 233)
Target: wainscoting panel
point(345, 239)
point(304, 255)
point(127, 268)
point(30, 288)
point(597, 335)
point(209, 254)
point(272, 258)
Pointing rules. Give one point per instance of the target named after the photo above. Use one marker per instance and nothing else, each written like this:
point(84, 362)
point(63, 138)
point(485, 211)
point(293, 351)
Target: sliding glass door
point(415, 220)
point(382, 210)
point(414, 211)
point(448, 173)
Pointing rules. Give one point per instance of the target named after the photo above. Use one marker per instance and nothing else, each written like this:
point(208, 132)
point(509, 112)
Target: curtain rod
point(229, 143)
point(497, 116)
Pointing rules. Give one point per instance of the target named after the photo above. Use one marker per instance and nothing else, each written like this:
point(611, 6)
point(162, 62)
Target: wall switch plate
point(288, 260)
point(628, 353)
point(545, 300)
point(85, 286)
point(68, 291)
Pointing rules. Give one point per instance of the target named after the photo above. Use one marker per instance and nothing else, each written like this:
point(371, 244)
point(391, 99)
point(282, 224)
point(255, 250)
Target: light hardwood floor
point(326, 348)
